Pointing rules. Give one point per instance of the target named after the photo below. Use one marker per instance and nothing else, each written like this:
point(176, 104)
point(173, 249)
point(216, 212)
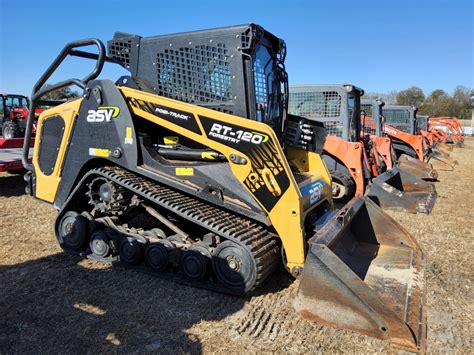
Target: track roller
point(196, 262)
point(131, 251)
point(100, 244)
point(156, 256)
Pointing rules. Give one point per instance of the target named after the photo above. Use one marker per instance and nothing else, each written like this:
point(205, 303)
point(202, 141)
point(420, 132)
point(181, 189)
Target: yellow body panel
point(287, 215)
point(47, 185)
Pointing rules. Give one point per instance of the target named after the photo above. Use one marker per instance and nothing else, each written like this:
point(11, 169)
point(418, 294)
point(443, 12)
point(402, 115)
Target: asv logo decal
point(228, 134)
point(103, 114)
point(315, 193)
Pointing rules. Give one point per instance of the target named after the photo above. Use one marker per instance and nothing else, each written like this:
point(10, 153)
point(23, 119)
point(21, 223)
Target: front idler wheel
point(234, 267)
point(100, 244)
point(131, 251)
point(196, 262)
point(73, 231)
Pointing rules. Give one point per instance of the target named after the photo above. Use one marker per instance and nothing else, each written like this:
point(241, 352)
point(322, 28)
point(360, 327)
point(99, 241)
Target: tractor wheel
point(343, 187)
point(11, 130)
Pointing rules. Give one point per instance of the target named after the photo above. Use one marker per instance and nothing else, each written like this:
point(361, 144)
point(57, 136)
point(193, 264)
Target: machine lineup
point(204, 164)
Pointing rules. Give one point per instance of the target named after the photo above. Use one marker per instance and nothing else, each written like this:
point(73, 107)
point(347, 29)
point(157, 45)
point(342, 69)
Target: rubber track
point(255, 238)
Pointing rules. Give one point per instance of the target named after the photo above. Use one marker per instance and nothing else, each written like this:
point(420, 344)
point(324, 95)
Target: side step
point(399, 190)
point(365, 273)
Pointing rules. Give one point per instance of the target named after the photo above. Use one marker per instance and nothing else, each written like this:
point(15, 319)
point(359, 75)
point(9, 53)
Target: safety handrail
point(39, 91)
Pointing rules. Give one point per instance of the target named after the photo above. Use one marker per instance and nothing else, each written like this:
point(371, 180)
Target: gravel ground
point(52, 302)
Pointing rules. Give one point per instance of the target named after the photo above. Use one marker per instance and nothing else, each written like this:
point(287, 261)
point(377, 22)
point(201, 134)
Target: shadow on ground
point(65, 303)
point(12, 185)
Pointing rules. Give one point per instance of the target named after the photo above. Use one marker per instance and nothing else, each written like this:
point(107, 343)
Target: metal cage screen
point(369, 124)
point(398, 118)
point(323, 106)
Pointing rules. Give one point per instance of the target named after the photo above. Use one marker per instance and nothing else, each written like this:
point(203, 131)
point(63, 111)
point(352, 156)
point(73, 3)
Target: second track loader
point(191, 168)
point(351, 156)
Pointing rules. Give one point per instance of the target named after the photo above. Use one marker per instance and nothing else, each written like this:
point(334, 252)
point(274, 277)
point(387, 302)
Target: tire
point(11, 130)
point(343, 187)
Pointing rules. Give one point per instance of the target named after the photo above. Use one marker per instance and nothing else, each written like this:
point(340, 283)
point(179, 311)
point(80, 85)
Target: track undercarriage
point(155, 229)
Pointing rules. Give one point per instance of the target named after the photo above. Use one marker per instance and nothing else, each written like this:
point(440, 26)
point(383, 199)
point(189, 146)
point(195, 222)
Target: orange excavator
point(401, 126)
point(352, 159)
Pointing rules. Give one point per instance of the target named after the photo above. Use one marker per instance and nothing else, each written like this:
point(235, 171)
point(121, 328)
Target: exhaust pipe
point(365, 273)
point(417, 168)
point(399, 190)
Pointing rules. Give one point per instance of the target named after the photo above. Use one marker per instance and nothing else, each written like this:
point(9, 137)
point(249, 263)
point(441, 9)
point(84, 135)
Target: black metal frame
point(422, 123)
point(411, 127)
point(343, 90)
point(39, 90)
point(212, 68)
point(377, 114)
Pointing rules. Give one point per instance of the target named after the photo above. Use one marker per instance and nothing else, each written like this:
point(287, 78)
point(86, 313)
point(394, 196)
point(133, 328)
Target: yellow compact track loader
point(191, 167)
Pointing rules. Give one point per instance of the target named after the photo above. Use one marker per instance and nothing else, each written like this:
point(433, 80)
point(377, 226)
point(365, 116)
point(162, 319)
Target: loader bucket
point(417, 168)
point(443, 147)
point(365, 273)
point(399, 190)
point(441, 161)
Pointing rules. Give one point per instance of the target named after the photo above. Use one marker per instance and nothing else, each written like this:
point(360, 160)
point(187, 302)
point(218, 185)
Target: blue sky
point(377, 45)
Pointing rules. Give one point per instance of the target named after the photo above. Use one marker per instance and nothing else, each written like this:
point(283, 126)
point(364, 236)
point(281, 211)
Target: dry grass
point(51, 302)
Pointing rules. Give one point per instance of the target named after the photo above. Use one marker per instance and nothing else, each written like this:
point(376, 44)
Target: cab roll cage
point(39, 90)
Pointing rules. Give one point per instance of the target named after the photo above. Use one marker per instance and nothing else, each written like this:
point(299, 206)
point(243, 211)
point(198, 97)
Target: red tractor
point(13, 115)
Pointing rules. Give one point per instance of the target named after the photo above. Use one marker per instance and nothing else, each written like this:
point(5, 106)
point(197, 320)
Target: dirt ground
point(52, 302)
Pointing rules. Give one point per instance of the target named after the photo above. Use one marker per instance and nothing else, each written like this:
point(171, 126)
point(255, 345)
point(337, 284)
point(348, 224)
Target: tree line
point(437, 103)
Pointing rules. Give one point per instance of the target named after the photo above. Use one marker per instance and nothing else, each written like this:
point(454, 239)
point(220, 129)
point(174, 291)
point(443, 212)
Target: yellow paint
point(171, 140)
point(47, 185)
point(98, 152)
point(184, 171)
point(287, 215)
point(208, 155)
point(128, 132)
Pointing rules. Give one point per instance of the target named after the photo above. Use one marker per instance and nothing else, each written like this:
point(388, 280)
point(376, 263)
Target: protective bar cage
point(371, 116)
point(324, 103)
point(211, 68)
point(40, 90)
point(401, 117)
point(422, 123)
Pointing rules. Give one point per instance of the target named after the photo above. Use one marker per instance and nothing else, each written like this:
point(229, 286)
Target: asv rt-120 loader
point(351, 157)
point(192, 167)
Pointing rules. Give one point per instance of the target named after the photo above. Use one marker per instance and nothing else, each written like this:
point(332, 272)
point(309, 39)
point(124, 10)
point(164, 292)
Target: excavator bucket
point(399, 190)
point(365, 273)
point(417, 168)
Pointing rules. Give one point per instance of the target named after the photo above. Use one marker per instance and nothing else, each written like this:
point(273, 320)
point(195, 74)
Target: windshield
point(15, 102)
point(352, 114)
point(269, 87)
